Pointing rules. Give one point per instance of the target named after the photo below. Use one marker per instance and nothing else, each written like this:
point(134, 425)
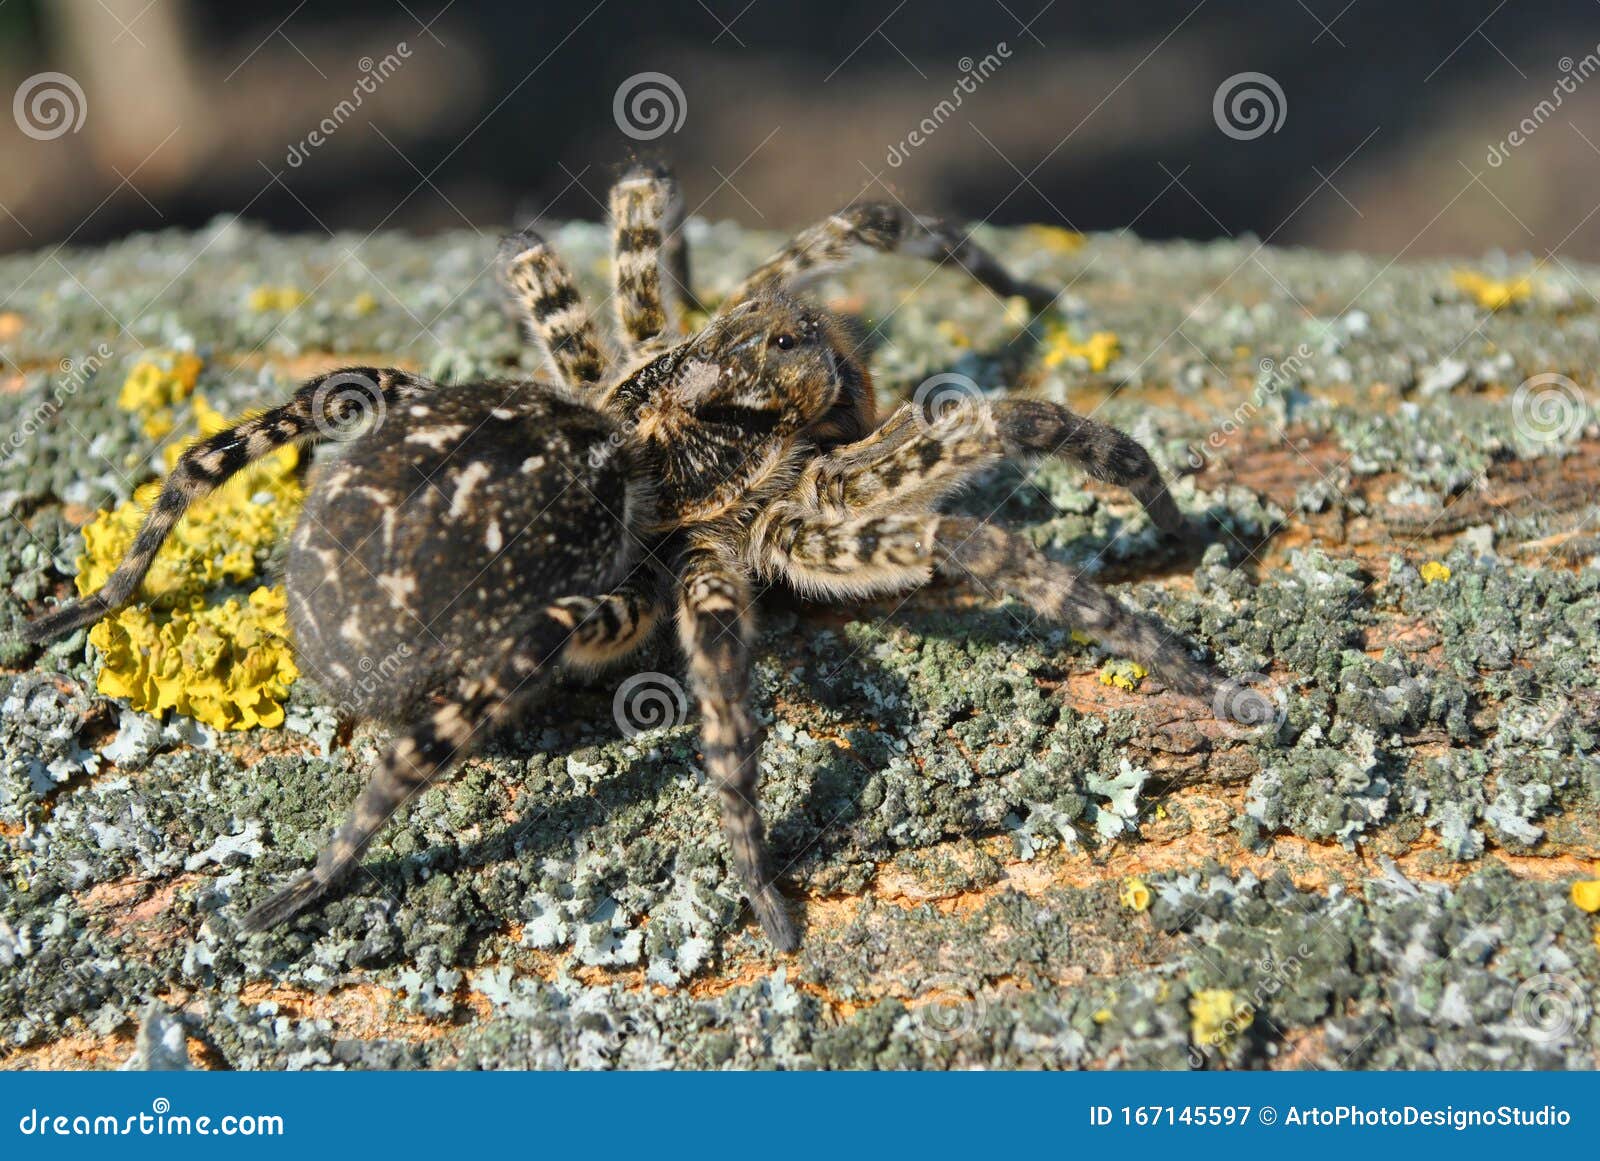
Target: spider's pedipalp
point(649, 260)
point(715, 629)
point(907, 463)
point(547, 300)
point(884, 227)
point(328, 406)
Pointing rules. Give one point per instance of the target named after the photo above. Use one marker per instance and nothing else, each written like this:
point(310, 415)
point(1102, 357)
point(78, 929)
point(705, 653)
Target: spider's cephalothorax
point(495, 532)
point(717, 417)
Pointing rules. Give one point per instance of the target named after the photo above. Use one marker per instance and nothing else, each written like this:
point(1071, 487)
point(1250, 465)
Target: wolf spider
point(497, 531)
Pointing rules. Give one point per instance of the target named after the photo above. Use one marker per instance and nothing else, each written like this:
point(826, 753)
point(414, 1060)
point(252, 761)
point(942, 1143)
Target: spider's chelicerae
point(495, 532)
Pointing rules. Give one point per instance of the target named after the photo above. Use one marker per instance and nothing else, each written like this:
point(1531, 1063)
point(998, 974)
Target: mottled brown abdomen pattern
point(438, 533)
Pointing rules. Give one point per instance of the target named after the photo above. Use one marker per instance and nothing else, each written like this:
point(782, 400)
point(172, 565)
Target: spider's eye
point(785, 342)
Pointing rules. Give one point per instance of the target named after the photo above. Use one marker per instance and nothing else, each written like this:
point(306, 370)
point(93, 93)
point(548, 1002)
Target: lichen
point(228, 665)
point(1493, 293)
point(1055, 239)
point(188, 644)
point(223, 538)
point(275, 298)
point(1217, 1017)
point(1123, 674)
point(156, 384)
point(1586, 894)
point(1096, 351)
point(1135, 894)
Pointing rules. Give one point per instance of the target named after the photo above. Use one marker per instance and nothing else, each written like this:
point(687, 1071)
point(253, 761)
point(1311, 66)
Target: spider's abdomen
point(428, 542)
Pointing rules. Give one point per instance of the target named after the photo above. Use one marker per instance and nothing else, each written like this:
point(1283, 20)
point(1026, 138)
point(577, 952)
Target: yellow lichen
point(953, 334)
point(284, 298)
point(1586, 894)
point(218, 538)
point(363, 304)
point(157, 384)
point(1435, 572)
point(1097, 350)
point(226, 664)
point(1054, 239)
point(1123, 674)
point(1216, 1016)
point(1493, 293)
point(1135, 894)
point(1102, 1016)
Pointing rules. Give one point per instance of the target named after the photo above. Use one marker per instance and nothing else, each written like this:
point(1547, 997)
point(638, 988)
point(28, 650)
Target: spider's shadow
point(547, 828)
point(816, 828)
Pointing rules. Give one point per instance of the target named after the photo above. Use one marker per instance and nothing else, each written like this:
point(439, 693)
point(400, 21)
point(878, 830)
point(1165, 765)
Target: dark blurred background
point(1095, 115)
